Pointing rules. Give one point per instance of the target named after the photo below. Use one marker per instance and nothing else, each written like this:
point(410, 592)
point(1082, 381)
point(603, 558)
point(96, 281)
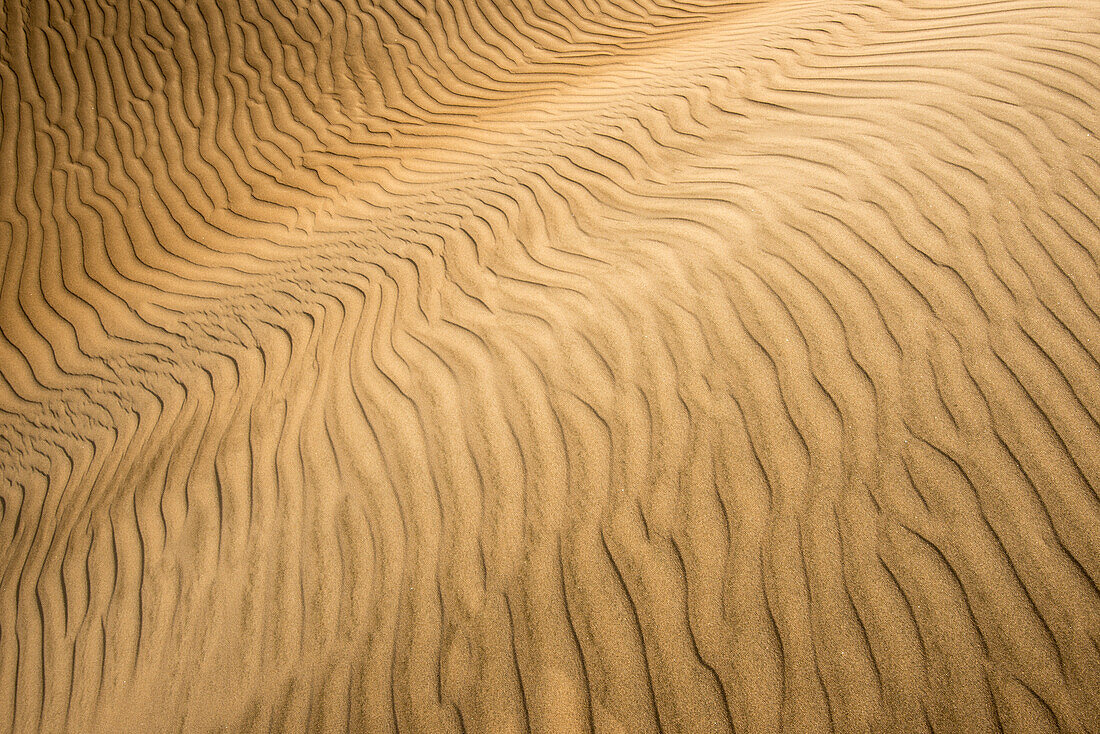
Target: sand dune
point(550, 365)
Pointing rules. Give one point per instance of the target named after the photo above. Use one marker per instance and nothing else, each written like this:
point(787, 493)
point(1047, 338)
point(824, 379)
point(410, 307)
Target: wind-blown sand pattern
point(550, 365)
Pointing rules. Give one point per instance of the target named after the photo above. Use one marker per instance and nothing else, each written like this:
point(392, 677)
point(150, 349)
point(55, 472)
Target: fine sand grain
point(548, 366)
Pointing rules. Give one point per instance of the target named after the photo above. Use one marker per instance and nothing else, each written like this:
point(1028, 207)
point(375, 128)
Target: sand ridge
point(550, 366)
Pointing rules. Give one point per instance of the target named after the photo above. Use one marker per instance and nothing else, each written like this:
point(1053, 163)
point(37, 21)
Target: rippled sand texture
point(550, 365)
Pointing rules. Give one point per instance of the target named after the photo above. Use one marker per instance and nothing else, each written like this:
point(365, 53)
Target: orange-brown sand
point(550, 366)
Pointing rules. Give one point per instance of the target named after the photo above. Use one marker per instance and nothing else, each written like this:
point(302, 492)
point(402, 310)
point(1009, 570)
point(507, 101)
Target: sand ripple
point(550, 365)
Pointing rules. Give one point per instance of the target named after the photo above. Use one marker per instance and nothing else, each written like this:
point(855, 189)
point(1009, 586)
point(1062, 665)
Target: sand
point(550, 366)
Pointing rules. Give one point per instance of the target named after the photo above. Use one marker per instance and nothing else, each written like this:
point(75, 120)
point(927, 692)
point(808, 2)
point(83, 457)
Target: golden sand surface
point(502, 366)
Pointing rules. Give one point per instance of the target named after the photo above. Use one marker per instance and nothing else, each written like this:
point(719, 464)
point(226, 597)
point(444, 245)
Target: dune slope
point(550, 366)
